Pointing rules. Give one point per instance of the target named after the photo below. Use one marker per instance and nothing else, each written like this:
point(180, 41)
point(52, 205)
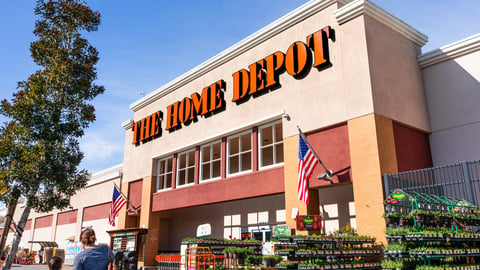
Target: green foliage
point(392, 264)
point(39, 148)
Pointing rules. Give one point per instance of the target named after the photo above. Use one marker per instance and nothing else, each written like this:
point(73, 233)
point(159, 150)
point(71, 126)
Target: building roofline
point(450, 51)
point(301, 13)
point(105, 175)
point(365, 7)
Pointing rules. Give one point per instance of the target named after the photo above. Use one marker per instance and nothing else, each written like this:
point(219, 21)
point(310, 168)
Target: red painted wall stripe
point(95, 212)
point(67, 217)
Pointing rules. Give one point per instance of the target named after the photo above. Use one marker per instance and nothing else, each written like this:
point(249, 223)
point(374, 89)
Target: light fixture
point(286, 116)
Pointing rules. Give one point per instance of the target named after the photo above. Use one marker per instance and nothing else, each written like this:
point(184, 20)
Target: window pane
point(183, 161)
point(191, 158)
point(191, 175)
point(205, 171)
point(168, 181)
point(216, 169)
point(162, 167)
point(267, 156)
point(170, 165)
point(181, 177)
point(278, 133)
point(266, 136)
point(217, 150)
point(246, 142)
point(233, 164)
point(279, 153)
point(233, 146)
point(246, 161)
point(206, 154)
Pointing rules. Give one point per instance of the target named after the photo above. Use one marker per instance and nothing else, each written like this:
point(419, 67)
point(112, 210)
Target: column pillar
point(150, 221)
point(372, 153)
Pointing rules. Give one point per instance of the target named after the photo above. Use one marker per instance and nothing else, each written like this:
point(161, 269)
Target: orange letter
point(199, 102)
point(257, 76)
point(135, 128)
point(274, 66)
point(156, 123)
point(297, 60)
point(145, 131)
point(184, 110)
point(172, 116)
point(240, 84)
point(318, 42)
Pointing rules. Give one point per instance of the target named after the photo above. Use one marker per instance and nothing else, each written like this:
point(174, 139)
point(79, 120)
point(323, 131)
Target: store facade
point(219, 144)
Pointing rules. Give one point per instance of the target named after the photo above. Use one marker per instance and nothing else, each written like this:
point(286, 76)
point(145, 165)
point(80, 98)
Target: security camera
point(286, 116)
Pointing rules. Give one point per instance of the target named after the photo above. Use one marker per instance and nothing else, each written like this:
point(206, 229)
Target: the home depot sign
point(260, 76)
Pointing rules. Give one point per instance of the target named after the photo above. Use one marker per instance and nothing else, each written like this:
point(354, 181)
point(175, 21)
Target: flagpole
point(329, 173)
point(126, 198)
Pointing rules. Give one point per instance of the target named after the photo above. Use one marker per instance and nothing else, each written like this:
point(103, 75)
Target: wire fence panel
point(461, 181)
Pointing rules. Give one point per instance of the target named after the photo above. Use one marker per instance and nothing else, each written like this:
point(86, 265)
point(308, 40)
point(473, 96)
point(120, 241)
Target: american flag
point(306, 163)
point(118, 201)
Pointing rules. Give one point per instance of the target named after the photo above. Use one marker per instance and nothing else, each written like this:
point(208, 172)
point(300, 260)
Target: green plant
point(392, 264)
point(394, 246)
point(253, 260)
point(391, 215)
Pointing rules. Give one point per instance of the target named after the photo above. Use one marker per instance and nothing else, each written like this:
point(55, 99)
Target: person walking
point(40, 255)
point(93, 257)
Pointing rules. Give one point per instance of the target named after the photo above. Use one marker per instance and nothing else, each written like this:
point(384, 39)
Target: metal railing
point(461, 181)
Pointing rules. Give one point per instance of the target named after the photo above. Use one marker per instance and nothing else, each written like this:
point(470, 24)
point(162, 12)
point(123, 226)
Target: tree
point(39, 148)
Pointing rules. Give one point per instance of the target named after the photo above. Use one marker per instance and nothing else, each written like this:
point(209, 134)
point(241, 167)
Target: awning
point(45, 243)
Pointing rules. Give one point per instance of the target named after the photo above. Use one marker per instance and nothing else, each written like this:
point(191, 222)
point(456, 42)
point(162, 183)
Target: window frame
point(157, 180)
point(239, 135)
point(177, 177)
point(211, 161)
point(273, 144)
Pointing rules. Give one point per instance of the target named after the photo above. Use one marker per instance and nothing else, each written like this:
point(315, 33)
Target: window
point(164, 173)
point(210, 161)
point(239, 153)
point(186, 168)
point(271, 144)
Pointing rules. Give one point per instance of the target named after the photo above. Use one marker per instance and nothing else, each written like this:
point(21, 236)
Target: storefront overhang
point(45, 244)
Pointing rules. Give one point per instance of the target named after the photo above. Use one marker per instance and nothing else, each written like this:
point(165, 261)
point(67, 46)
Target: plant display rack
point(431, 232)
point(237, 249)
point(328, 252)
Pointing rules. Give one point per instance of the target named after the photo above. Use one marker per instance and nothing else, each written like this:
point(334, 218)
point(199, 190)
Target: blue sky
point(145, 44)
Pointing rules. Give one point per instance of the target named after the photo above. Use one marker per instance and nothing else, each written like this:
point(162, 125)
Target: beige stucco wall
point(453, 91)
point(98, 191)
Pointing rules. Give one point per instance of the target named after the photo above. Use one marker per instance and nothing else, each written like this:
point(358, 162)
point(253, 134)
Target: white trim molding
point(294, 17)
point(366, 7)
point(451, 51)
point(127, 124)
point(106, 175)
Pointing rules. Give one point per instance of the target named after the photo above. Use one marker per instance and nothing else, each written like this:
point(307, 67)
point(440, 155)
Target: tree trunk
point(18, 236)
point(6, 226)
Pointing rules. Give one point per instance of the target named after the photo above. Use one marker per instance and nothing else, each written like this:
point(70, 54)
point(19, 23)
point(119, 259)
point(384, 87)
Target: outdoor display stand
point(342, 251)
point(229, 252)
point(431, 232)
point(128, 245)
